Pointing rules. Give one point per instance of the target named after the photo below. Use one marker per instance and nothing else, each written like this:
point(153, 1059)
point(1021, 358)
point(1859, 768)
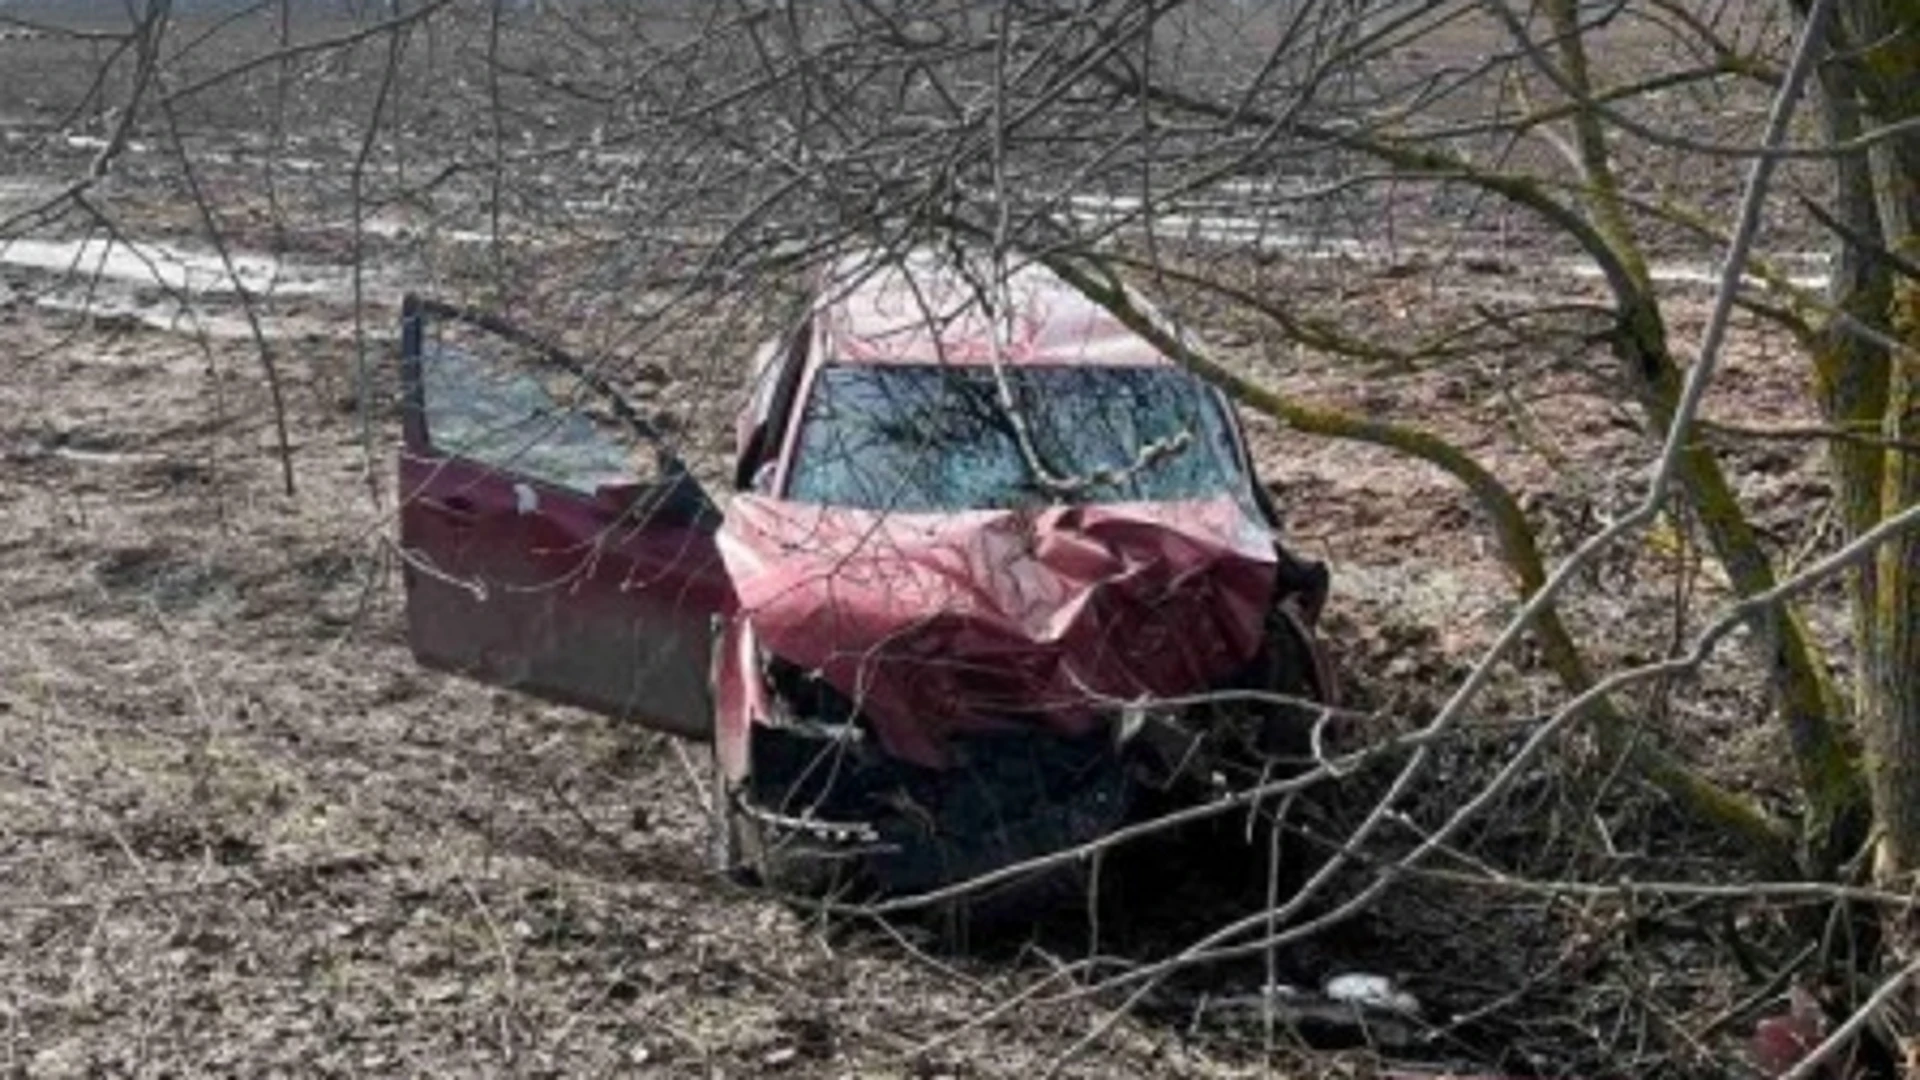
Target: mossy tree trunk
point(1810, 707)
point(1892, 683)
point(1872, 82)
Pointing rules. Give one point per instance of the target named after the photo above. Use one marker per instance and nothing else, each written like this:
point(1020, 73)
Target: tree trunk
point(1881, 51)
point(1850, 373)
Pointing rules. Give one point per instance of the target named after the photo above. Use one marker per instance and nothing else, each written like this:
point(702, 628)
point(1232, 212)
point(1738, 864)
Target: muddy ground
point(241, 832)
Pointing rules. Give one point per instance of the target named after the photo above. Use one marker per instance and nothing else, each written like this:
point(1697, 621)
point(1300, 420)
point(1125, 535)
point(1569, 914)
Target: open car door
point(551, 543)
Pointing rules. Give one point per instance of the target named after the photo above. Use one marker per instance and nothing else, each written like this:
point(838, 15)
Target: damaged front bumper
point(822, 803)
point(825, 811)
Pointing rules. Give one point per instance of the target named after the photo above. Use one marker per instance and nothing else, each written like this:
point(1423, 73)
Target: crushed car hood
point(937, 624)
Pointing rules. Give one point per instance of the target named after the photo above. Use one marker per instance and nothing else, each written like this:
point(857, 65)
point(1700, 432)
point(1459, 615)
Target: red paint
point(918, 310)
point(943, 623)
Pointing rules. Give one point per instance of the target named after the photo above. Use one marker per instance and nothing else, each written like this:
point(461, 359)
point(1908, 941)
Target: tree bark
point(1880, 56)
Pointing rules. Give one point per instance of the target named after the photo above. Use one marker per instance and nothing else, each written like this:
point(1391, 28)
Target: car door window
point(522, 408)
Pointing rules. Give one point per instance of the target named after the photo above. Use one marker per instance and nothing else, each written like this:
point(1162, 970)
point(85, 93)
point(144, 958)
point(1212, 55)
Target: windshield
point(918, 438)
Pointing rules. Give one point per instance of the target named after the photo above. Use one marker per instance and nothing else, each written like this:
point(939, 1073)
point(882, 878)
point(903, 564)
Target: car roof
point(924, 306)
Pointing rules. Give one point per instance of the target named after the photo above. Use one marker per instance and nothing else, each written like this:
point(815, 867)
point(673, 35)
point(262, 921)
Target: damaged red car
point(987, 557)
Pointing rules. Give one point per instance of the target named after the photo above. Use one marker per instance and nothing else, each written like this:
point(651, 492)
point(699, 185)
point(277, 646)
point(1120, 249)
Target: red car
point(985, 547)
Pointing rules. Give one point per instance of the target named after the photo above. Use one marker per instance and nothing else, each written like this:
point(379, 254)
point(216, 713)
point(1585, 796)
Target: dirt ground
point(242, 832)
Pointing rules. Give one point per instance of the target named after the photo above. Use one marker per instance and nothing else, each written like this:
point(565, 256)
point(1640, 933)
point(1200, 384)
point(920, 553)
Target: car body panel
point(985, 620)
point(926, 307)
point(517, 574)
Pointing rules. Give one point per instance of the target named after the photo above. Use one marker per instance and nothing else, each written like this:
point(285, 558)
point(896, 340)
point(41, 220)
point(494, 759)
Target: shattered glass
point(921, 438)
point(487, 401)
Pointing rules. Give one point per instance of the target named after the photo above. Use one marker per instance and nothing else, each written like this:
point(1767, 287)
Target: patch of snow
point(143, 265)
point(1212, 222)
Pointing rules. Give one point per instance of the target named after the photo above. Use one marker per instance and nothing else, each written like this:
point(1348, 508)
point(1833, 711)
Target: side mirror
point(620, 493)
point(674, 500)
point(618, 496)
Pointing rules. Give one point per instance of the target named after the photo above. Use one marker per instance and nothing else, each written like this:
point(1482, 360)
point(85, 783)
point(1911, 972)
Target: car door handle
point(455, 508)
